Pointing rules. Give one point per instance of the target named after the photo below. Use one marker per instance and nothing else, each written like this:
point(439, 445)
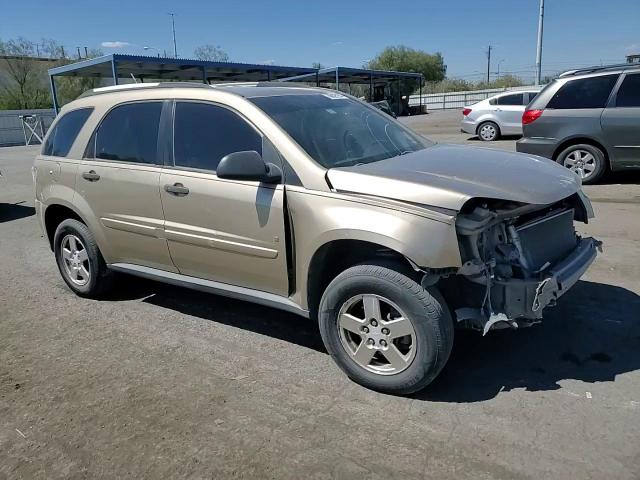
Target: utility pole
point(539, 49)
point(489, 63)
point(173, 27)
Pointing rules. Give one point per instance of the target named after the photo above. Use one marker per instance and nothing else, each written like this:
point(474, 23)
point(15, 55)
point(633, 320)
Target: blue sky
point(287, 32)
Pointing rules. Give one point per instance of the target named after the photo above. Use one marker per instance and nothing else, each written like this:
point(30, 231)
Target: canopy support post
point(54, 95)
point(114, 71)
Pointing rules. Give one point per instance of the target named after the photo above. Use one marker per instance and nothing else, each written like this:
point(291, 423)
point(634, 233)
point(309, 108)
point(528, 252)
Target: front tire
point(79, 260)
point(587, 161)
point(384, 330)
point(488, 131)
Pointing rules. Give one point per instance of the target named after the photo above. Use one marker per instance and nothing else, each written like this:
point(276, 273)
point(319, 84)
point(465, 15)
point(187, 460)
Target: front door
point(621, 123)
point(222, 230)
point(119, 181)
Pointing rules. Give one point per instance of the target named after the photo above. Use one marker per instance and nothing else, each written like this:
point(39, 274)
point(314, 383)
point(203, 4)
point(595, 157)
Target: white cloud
point(336, 44)
point(267, 62)
point(115, 44)
point(633, 47)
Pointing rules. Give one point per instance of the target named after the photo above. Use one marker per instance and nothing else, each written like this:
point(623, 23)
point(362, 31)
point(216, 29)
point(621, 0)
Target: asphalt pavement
point(158, 381)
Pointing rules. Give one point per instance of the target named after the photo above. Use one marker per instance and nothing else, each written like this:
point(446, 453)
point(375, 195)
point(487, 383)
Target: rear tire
point(79, 260)
point(488, 131)
point(398, 347)
point(587, 161)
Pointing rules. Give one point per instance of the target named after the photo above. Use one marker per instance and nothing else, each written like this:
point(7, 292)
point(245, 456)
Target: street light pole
point(489, 63)
point(173, 27)
point(539, 49)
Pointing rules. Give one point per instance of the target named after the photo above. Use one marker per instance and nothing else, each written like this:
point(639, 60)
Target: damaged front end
point(517, 260)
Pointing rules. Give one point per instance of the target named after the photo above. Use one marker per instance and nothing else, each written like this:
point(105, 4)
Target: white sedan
point(497, 115)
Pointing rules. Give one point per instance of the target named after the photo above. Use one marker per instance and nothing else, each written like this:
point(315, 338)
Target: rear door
point(621, 123)
point(118, 180)
point(509, 112)
point(222, 230)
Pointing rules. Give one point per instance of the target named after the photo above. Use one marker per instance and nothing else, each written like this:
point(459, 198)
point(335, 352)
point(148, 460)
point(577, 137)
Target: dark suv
point(587, 120)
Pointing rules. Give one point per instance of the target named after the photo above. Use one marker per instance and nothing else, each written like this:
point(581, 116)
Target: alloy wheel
point(75, 260)
point(581, 162)
point(377, 334)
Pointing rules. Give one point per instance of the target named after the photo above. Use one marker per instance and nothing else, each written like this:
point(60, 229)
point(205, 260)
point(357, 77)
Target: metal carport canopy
point(116, 66)
point(354, 75)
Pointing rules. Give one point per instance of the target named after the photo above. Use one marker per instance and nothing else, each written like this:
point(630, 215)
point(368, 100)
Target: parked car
point(587, 120)
point(496, 116)
point(313, 202)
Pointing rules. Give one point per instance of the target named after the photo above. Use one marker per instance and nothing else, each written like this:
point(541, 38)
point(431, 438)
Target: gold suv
point(310, 201)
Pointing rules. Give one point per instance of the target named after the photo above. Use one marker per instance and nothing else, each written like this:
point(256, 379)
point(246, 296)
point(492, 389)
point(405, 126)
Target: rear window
point(65, 131)
point(129, 133)
point(590, 92)
point(629, 92)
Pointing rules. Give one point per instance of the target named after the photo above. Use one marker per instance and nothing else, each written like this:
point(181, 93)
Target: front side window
point(337, 131)
point(129, 133)
point(64, 133)
point(590, 92)
point(515, 99)
point(629, 92)
point(205, 133)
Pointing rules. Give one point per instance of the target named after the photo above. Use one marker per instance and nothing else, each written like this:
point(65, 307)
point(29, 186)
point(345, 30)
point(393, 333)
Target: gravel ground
point(162, 382)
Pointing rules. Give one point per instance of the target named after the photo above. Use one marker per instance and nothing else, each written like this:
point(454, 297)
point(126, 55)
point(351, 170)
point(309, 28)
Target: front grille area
point(547, 239)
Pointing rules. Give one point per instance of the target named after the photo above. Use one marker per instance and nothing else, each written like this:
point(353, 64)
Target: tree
point(211, 53)
point(405, 59)
point(23, 80)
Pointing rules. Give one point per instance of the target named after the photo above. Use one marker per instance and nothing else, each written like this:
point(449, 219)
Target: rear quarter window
point(592, 92)
point(64, 132)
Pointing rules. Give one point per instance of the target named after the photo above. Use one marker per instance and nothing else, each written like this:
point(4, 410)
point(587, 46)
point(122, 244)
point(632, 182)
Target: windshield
point(337, 131)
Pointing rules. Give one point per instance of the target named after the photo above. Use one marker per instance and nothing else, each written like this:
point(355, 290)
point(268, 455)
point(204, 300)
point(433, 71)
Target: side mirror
point(248, 165)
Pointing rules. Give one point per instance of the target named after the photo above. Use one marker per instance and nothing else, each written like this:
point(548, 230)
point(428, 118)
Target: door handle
point(91, 175)
point(177, 189)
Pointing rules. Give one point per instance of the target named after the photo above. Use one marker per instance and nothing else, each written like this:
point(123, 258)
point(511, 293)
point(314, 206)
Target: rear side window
point(629, 92)
point(129, 133)
point(515, 99)
point(205, 133)
point(65, 132)
point(584, 93)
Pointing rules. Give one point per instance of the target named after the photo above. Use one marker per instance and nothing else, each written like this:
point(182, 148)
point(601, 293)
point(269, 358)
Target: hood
point(446, 176)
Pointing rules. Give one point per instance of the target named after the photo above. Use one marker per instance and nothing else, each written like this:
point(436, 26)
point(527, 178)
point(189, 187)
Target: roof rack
point(134, 86)
point(598, 68)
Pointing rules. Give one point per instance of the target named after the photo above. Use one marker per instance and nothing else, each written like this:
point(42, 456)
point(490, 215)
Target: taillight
point(466, 111)
point(531, 116)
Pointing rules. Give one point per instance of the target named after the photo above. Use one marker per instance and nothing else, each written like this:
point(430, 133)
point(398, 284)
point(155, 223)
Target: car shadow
point(15, 211)
point(593, 335)
point(228, 311)
point(505, 138)
point(629, 177)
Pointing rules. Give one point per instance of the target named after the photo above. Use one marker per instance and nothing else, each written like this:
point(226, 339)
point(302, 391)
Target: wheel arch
point(578, 140)
point(335, 256)
point(56, 213)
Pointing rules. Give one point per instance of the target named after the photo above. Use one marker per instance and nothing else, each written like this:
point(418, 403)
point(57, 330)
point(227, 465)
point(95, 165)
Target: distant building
point(635, 58)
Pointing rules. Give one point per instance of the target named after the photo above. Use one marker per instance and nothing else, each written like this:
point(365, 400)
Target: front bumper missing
point(518, 302)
